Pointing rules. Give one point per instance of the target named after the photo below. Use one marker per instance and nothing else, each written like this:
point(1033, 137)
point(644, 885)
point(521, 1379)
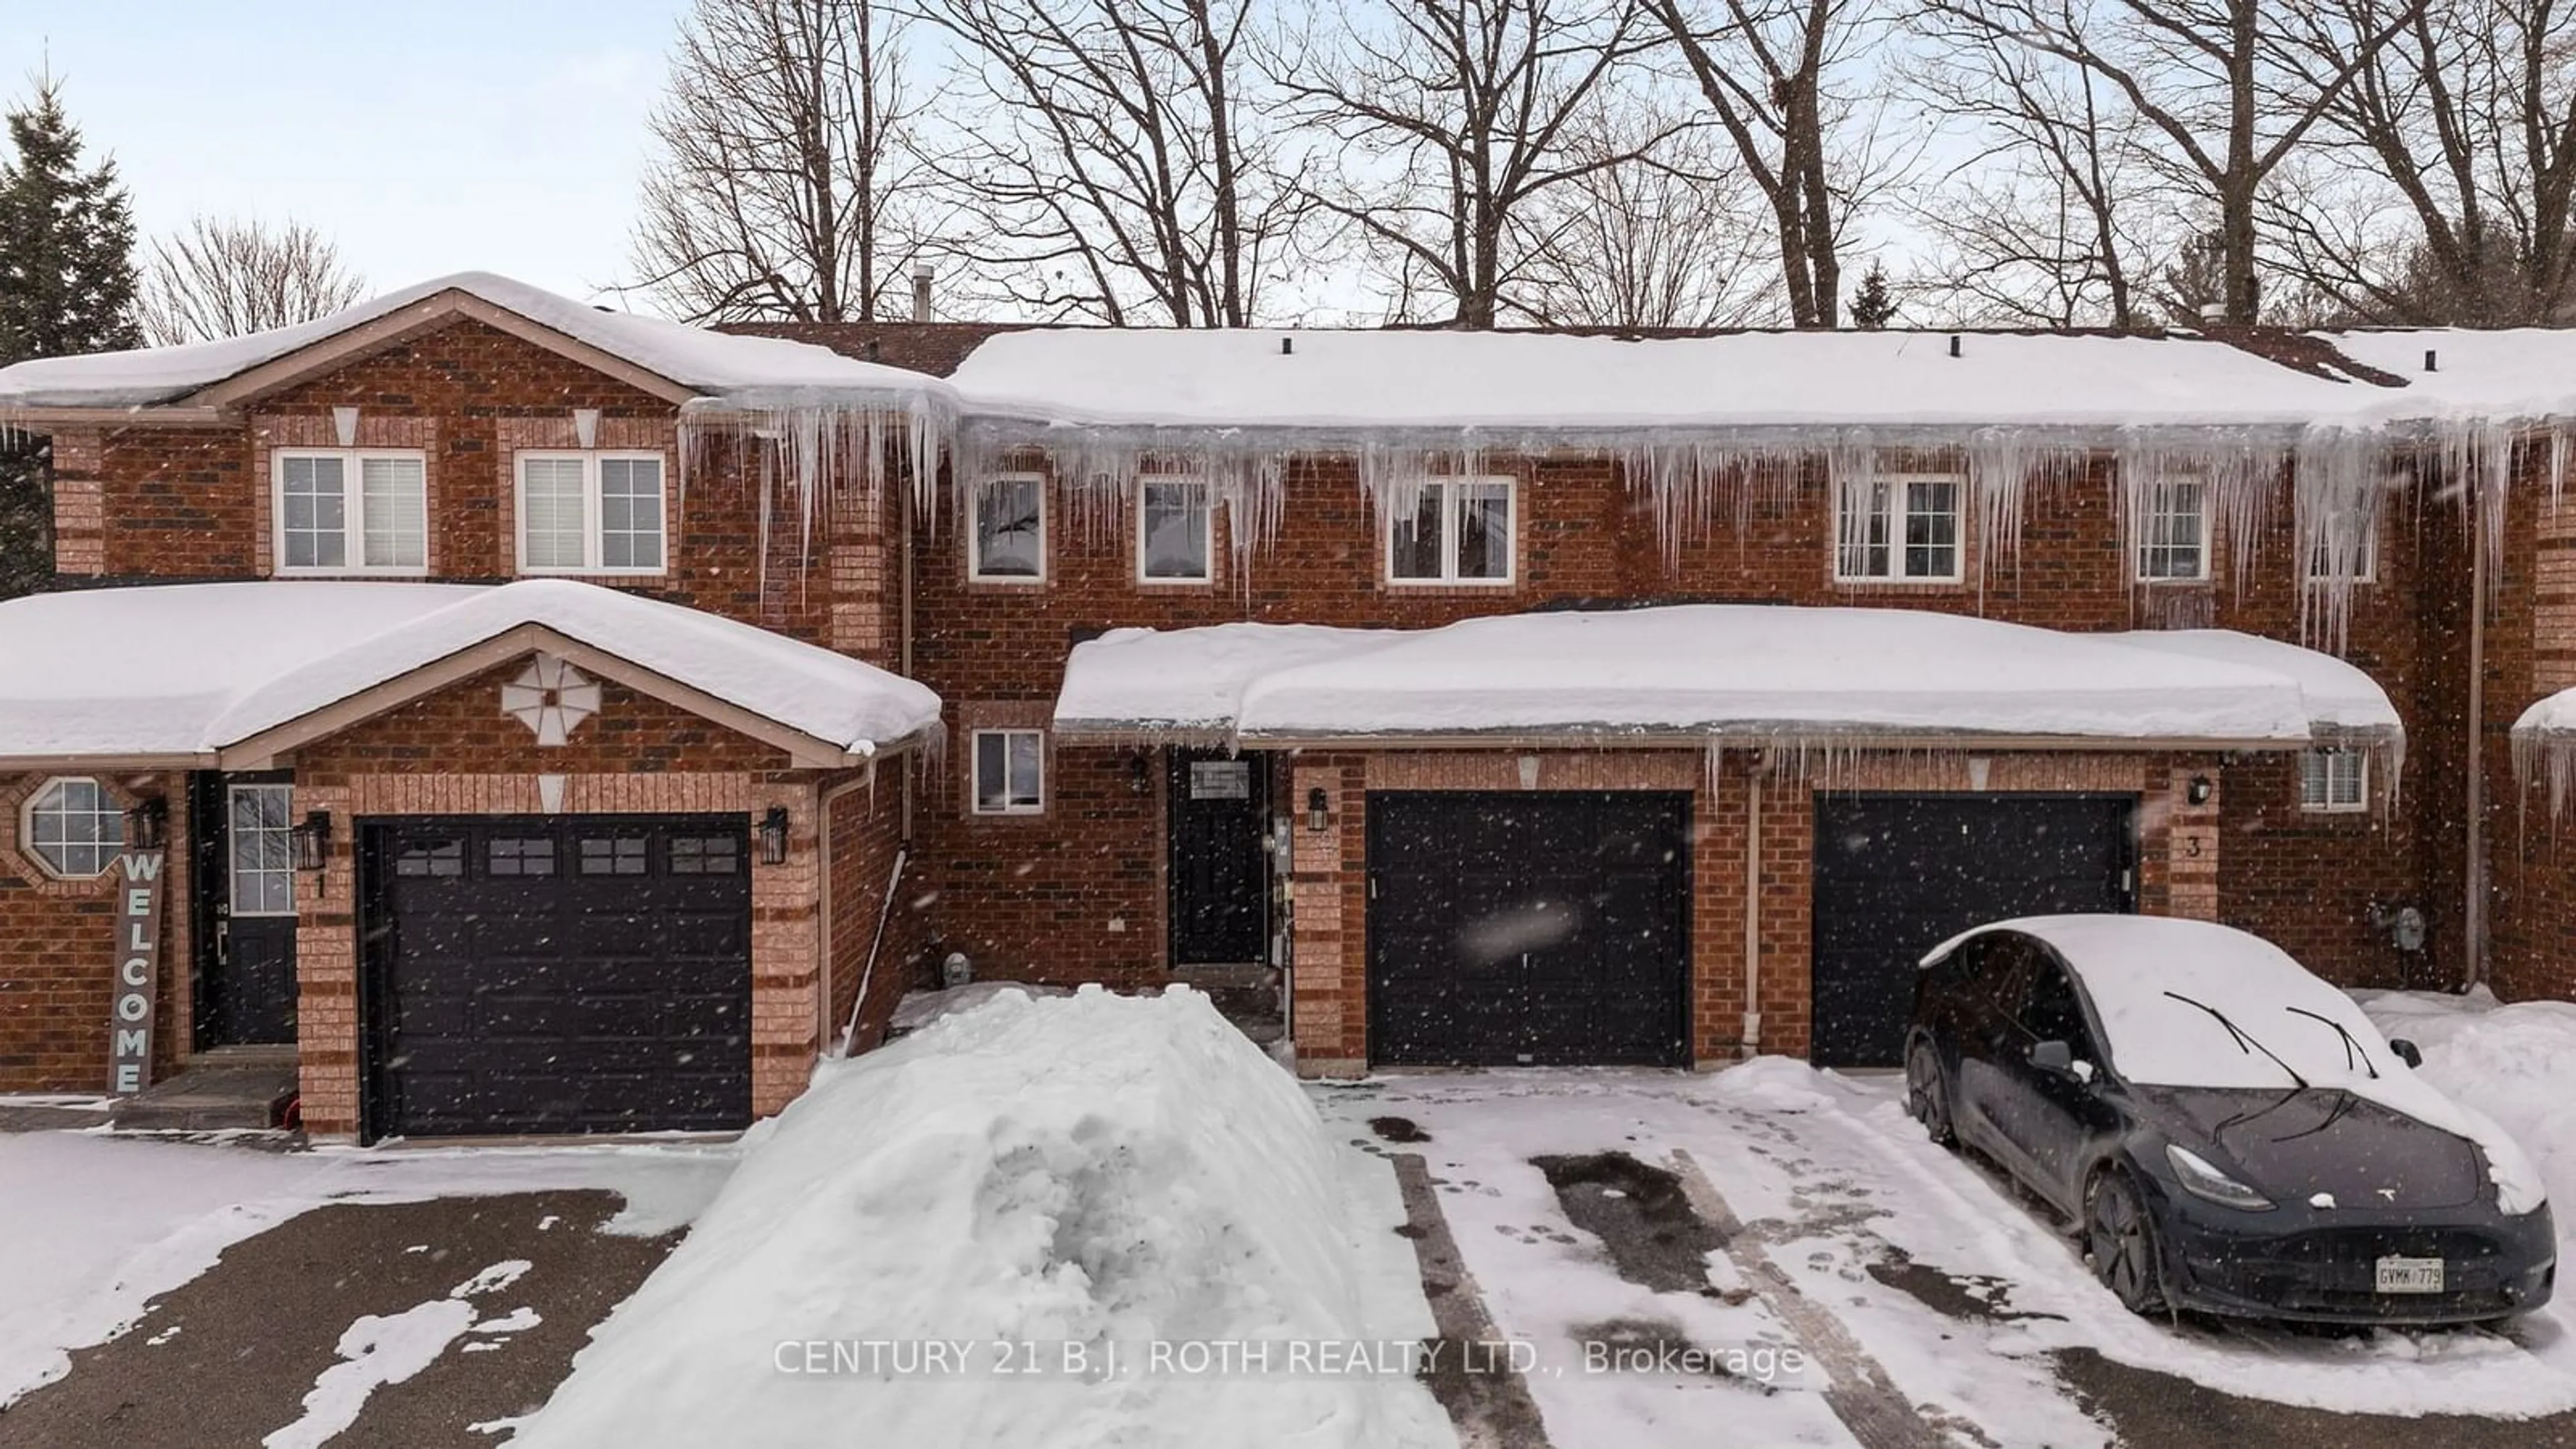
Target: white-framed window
point(350, 511)
point(1902, 527)
point(1010, 772)
point(2334, 780)
point(1175, 531)
point(1450, 531)
point(1009, 541)
point(259, 851)
point(2336, 558)
point(2173, 531)
point(590, 512)
point(73, 827)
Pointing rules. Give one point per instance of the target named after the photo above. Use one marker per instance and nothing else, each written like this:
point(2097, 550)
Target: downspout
point(2473, 916)
point(1751, 1045)
point(903, 637)
point(823, 896)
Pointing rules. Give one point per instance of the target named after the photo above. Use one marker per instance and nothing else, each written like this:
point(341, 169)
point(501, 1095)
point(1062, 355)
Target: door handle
point(224, 941)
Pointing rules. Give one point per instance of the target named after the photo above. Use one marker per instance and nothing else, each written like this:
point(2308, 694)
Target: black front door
point(1896, 875)
point(246, 909)
point(1528, 928)
point(555, 974)
point(1220, 848)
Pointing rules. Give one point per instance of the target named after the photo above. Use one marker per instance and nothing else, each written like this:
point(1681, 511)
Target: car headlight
point(2204, 1181)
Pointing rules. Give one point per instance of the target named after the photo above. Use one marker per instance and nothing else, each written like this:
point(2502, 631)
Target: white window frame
point(1453, 496)
point(27, 827)
point(232, 854)
point(2368, 573)
point(1898, 510)
point(2330, 803)
point(353, 513)
point(975, 530)
point(1207, 531)
point(593, 524)
point(2142, 513)
point(1036, 805)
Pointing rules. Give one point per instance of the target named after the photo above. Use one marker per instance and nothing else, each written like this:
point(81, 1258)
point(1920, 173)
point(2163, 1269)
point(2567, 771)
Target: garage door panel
point(544, 975)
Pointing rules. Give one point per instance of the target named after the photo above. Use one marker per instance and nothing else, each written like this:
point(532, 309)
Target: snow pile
point(1765, 674)
point(2544, 748)
point(2516, 1064)
point(1091, 1170)
point(182, 669)
point(2134, 968)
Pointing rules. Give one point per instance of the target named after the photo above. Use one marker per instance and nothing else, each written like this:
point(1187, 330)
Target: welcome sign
point(138, 971)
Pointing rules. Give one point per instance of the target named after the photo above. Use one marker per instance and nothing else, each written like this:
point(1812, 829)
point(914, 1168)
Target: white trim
point(593, 524)
point(975, 772)
point(2329, 805)
point(1452, 495)
point(1898, 510)
point(27, 843)
point(1207, 531)
point(975, 530)
point(232, 857)
point(353, 514)
point(2142, 511)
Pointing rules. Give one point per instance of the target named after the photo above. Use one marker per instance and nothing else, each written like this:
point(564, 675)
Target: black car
point(2231, 1132)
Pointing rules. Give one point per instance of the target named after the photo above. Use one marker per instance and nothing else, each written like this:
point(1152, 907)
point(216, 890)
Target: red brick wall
point(58, 948)
point(866, 828)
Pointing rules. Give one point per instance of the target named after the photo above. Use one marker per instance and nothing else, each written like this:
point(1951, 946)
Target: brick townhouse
point(545, 719)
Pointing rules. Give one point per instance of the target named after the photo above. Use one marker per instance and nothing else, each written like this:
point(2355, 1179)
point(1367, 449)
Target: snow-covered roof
point(2497, 375)
point(2341, 696)
point(185, 670)
point(746, 371)
point(1759, 673)
point(2135, 967)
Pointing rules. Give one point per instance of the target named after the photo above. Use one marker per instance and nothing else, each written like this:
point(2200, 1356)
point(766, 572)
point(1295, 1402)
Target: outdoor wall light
point(2197, 792)
point(310, 842)
point(773, 836)
point(1319, 810)
point(147, 825)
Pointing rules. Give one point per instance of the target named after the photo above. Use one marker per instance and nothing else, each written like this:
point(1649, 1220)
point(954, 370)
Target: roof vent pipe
point(921, 275)
point(2213, 311)
point(1954, 344)
point(2432, 360)
point(1287, 346)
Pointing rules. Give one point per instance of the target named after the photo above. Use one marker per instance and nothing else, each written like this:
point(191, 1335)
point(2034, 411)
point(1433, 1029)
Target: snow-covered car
point(2231, 1132)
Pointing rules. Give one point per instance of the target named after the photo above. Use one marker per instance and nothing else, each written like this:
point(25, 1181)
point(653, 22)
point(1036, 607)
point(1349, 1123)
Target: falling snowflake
point(551, 698)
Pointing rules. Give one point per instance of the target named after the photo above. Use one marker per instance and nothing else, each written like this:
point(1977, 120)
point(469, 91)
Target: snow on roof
point(2553, 714)
point(747, 370)
point(2128, 964)
point(1515, 381)
point(2498, 375)
point(2341, 696)
point(1765, 672)
point(186, 669)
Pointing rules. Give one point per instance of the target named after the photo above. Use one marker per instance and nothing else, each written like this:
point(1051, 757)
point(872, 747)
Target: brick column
point(2191, 846)
point(785, 962)
point(1329, 1016)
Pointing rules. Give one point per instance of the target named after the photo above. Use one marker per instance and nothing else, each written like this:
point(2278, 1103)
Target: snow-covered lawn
point(96, 1226)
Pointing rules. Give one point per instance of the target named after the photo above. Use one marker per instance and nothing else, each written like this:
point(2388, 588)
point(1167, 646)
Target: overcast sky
point(425, 138)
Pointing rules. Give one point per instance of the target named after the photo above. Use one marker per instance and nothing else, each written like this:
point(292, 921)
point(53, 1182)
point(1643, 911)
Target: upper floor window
point(1175, 531)
point(352, 512)
point(2173, 530)
point(1450, 531)
point(72, 827)
point(1901, 527)
point(2344, 554)
point(1010, 772)
point(590, 513)
point(1009, 541)
point(2334, 780)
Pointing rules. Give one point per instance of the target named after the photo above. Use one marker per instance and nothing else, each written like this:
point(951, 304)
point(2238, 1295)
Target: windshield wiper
point(2244, 1043)
point(2351, 1049)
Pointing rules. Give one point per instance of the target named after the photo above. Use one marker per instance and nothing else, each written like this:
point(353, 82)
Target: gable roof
point(195, 672)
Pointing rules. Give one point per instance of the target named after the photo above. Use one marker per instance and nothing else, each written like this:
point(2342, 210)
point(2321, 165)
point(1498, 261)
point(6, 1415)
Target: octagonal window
point(73, 827)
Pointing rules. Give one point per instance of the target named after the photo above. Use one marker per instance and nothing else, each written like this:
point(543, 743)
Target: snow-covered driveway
point(1970, 1300)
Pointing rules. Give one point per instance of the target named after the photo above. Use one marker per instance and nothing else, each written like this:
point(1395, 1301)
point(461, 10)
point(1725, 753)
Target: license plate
point(2410, 1275)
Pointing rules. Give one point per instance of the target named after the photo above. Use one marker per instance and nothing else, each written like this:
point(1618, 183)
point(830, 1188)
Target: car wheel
point(1927, 1093)
point(2121, 1240)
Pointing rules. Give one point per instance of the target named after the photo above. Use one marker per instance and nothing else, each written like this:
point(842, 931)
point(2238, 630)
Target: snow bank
point(1765, 672)
point(1089, 1169)
point(2515, 1064)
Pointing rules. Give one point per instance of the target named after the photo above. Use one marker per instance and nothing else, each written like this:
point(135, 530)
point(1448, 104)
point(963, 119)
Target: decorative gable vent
point(551, 698)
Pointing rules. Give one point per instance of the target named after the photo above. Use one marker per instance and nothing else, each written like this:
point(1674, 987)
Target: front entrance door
point(1220, 852)
point(246, 887)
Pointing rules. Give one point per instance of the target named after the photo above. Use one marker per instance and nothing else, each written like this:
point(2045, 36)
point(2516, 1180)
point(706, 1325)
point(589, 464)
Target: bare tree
point(776, 189)
point(2448, 186)
point(1453, 120)
point(1667, 239)
point(1112, 160)
point(226, 278)
point(1762, 66)
point(2230, 87)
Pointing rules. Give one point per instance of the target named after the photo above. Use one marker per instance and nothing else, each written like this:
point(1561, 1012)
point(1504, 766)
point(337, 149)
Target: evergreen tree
point(1871, 308)
point(66, 286)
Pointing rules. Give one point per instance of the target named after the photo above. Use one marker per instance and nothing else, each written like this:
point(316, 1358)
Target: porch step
point(210, 1098)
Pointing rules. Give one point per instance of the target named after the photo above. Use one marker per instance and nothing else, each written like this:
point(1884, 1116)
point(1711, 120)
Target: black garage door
point(1897, 875)
point(553, 974)
point(1545, 928)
